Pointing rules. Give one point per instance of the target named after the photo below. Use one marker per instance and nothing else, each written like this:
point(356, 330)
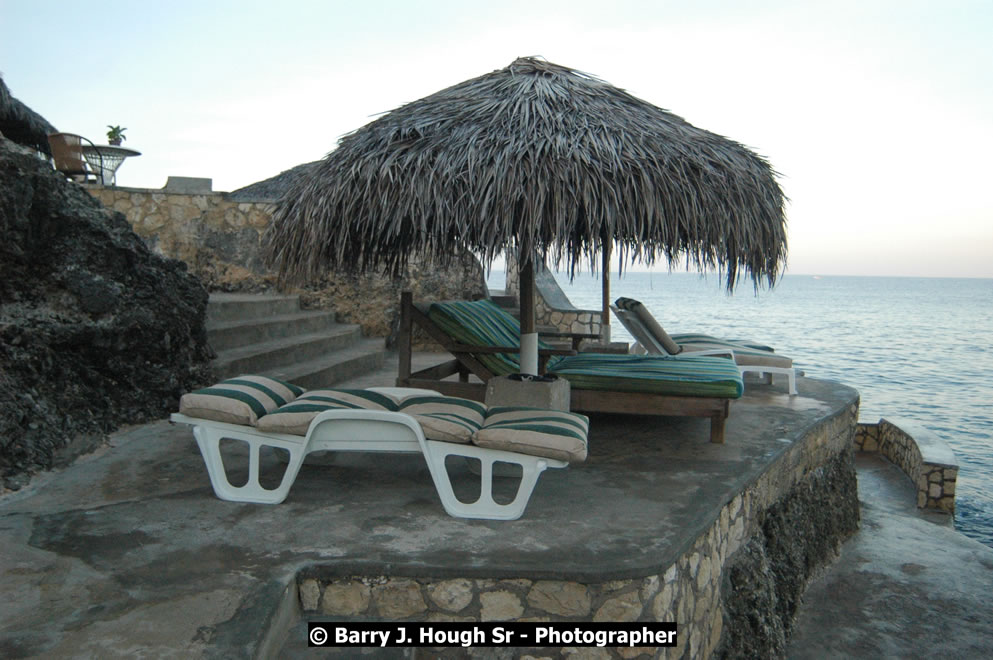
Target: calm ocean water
point(915, 348)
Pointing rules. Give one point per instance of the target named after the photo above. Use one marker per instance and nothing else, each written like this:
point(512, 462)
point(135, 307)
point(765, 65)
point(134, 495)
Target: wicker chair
point(67, 151)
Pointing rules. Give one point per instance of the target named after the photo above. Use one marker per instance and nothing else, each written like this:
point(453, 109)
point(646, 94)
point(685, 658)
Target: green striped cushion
point(445, 418)
point(295, 418)
point(697, 338)
point(656, 374)
point(743, 355)
point(242, 400)
point(482, 323)
point(548, 433)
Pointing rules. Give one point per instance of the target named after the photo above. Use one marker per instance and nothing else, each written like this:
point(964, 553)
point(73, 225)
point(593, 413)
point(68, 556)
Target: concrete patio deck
point(128, 552)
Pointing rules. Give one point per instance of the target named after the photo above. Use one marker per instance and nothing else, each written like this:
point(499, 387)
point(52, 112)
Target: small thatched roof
point(542, 158)
point(273, 188)
point(21, 124)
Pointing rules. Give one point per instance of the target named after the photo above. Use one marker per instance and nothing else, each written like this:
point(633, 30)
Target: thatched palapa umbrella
point(21, 124)
point(543, 160)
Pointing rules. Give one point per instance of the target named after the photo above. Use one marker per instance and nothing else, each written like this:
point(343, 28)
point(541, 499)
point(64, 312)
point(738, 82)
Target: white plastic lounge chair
point(651, 337)
point(367, 430)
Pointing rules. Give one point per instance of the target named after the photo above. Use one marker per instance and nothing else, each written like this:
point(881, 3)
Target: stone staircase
point(270, 335)
point(510, 303)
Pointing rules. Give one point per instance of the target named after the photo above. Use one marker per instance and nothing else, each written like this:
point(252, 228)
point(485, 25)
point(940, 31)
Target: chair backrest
point(67, 151)
point(482, 323)
point(637, 330)
point(643, 327)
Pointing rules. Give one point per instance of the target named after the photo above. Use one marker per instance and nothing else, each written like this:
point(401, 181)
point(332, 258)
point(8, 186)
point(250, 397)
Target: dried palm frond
point(540, 158)
point(21, 124)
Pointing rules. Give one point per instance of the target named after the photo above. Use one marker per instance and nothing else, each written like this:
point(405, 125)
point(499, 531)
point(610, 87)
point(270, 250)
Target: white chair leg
point(766, 374)
point(485, 507)
point(209, 441)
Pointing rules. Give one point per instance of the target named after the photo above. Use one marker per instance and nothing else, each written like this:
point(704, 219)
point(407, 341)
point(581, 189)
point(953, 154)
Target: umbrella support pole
point(529, 353)
point(529, 338)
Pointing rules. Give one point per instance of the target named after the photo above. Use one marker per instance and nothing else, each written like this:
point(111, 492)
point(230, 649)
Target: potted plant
point(115, 135)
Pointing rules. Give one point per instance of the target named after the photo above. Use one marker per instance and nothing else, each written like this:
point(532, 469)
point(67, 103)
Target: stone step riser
point(222, 339)
point(225, 311)
point(327, 376)
point(505, 301)
point(267, 359)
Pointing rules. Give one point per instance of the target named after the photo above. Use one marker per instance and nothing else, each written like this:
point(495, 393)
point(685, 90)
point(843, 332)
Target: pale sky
point(878, 114)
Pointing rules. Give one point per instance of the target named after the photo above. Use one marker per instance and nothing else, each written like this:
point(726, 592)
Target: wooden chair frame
point(466, 364)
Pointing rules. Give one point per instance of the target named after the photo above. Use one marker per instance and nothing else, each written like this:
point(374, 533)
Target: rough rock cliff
point(96, 331)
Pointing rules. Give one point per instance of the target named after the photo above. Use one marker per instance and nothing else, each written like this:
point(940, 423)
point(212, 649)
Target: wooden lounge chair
point(749, 356)
point(483, 340)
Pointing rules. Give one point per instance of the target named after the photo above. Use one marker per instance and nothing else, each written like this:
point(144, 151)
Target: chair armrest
point(576, 337)
point(711, 352)
point(562, 333)
point(465, 348)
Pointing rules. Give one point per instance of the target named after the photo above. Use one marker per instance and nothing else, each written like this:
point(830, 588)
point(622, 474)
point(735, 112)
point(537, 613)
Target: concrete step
point(277, 353)
point(365, 356)
point(504, 300)
point(227, 335)
point(228, 307)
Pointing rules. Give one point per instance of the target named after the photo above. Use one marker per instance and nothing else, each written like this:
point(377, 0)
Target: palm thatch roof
point(538, 157)
point(21, 124)
point(273, 188)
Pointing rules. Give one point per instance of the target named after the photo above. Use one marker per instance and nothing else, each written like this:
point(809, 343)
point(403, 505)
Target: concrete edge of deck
point(803, 504)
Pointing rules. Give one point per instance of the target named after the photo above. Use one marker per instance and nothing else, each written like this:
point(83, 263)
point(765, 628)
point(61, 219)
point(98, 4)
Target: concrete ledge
point(923, 456)
point(658, 524)
point(807, 489)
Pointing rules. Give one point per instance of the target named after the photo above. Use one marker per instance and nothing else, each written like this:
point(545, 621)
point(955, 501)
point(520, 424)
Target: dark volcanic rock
point(801, 533)
point(95, 330)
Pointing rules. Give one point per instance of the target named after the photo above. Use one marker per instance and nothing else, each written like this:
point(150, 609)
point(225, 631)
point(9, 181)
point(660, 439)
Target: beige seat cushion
point(242, 400)
point(295, 418)
point(548, 433)
point(445, 418)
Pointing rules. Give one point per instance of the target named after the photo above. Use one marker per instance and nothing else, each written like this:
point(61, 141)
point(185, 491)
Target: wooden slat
point(643, 403)
point(439, 371)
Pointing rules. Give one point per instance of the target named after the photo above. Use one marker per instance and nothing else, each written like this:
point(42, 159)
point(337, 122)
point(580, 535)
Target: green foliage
point(115, 133)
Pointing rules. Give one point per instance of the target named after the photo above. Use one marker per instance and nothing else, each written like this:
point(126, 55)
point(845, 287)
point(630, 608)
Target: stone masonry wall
point(562, 318)
point(810, 489)
point(219, 240)
point(921, 455)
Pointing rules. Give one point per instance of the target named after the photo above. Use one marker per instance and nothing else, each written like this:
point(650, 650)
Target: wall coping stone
point(934, 450)
point(157, 191)
point(921, 454)
point(189, 184)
